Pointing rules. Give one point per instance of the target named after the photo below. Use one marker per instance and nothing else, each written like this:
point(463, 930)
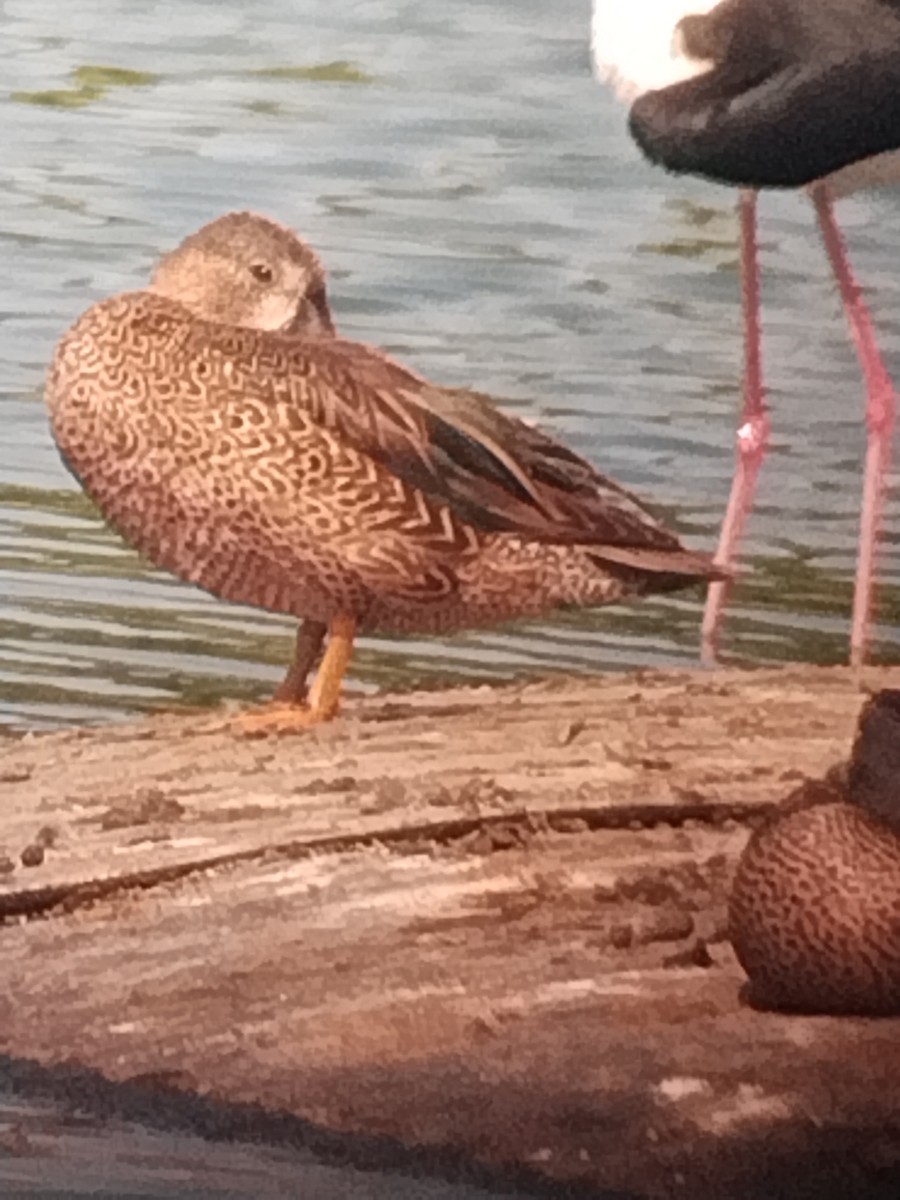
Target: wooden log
point(484, 921)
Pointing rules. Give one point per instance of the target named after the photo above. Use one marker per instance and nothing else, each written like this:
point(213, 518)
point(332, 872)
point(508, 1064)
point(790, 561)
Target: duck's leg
point(324, 695)
point(753, 434)
point(307, 648)
point(881, 411)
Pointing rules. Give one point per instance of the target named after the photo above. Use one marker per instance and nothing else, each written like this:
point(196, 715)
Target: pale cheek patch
point(272, 312)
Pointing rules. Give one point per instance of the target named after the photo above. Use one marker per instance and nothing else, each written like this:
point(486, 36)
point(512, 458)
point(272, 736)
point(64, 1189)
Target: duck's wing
point(493, 470)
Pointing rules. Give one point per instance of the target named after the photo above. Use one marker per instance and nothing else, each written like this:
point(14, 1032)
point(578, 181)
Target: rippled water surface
point(484, 216)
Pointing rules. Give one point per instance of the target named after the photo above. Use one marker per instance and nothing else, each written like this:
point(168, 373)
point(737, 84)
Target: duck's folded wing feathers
point(495, 472)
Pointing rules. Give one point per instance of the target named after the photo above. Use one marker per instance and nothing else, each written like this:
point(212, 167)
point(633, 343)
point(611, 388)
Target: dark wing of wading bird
point(228, 435)
point(772, 93)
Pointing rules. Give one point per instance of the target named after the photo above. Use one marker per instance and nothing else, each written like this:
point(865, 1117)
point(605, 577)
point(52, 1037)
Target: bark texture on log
point(487, 922)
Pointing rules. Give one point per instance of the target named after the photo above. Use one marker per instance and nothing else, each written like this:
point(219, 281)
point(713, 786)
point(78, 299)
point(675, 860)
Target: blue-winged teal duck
point(815, 904)
point(230, 436)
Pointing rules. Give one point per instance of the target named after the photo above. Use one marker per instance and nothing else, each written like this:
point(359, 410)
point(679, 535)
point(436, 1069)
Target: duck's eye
point(261, 272)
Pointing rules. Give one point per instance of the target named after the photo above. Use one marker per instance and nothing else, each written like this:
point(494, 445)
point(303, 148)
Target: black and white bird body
point(771, 93)
point(787, 93)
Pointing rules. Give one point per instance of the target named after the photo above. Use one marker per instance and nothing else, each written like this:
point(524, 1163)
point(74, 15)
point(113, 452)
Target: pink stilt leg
point(753, 434)
point(881, 408)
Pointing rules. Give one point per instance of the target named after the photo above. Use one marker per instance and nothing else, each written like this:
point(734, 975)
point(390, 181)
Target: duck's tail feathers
point(684, 565)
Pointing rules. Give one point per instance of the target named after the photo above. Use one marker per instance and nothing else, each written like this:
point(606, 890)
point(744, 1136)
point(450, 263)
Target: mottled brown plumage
point(815, 905)
point(231, 438)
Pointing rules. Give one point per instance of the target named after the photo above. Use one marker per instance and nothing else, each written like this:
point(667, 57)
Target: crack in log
point(34, 903)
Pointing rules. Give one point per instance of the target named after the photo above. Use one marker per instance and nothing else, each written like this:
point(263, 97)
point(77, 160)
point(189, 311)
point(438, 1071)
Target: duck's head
point(244, 269)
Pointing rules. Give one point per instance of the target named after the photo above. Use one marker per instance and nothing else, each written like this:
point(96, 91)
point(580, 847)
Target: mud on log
point(484, 923)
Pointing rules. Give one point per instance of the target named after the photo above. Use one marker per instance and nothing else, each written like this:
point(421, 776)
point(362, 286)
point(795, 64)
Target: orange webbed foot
point(324, 697)
point(278, 719)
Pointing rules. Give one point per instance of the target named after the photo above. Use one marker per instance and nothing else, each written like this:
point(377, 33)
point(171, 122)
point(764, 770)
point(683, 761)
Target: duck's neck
point(873, 778)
